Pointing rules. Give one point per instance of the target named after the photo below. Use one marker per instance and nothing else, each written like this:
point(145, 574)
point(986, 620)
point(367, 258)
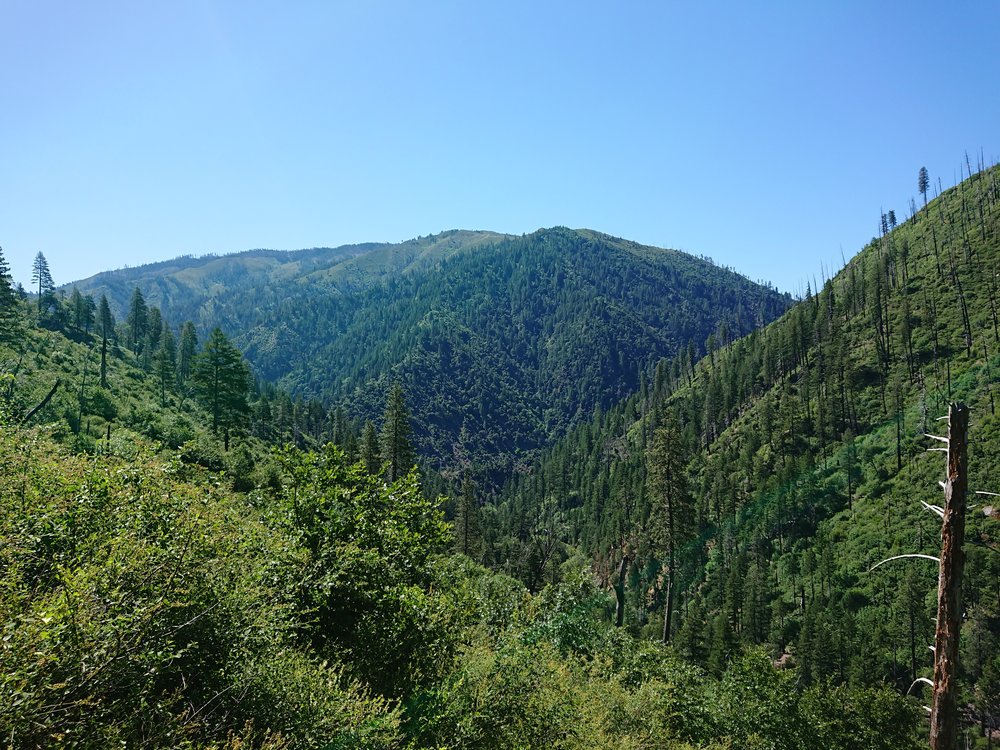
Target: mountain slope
point(501, 343)
point(806, 465)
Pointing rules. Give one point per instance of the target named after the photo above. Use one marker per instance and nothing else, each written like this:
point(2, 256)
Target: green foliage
point(807, 465)
point(221, 381)
point(10, 307)
point(145, 604)
point(140, 609)
point(368, 588)
point(397, 454)
point(515, 338)
point(468, 533)
point(763, 708)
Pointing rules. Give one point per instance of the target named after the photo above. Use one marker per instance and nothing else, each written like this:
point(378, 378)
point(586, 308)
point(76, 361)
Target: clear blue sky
point(766, 135)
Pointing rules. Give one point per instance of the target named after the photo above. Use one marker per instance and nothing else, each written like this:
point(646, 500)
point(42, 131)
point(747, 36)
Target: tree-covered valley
point(483, 491)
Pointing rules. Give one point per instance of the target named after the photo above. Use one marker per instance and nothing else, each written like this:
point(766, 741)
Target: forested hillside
point(169, 579)
point(778, 470)
point(500, 343)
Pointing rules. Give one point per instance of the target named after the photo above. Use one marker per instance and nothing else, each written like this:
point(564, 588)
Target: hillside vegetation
point(500, 343)
point(184, 584)
point(800, 462)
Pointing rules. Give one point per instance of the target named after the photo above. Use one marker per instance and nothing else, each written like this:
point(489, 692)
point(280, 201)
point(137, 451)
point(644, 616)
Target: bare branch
point(900, 557)
point(918, 680)
point(933, 508)
point(936, 437)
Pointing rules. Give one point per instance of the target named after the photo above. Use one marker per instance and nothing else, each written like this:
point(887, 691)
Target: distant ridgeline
point(500, 343)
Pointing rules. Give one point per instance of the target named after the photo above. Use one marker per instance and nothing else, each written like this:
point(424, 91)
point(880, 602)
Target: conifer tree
point(397, 454)
point(674, 506)
point(468, 535)
point(41, 276)
point(10, 316)
point(371, 454)
point(107, 323)
point(154, 328)
point(186, 352)
point(166, 362)
point(136, 321)
point(923, 183)
point(221, 380)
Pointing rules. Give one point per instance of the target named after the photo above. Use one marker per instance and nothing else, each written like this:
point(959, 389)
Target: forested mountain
point(500, 343)
point(169, 579)
point(780, 468)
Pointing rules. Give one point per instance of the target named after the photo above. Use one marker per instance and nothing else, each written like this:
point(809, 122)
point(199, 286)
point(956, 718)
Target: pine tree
point(10, 314)
point(107, 322)
point(154, 329)
point(82, 308)
point(41, 276)
point(221, 380)
point(136, 321)
point(923, 183)
point(166, 362)
point(468, 535)
point(370, 451)
point(674, 505)
point(186, 352)
point(89, 314)
point(397, 454)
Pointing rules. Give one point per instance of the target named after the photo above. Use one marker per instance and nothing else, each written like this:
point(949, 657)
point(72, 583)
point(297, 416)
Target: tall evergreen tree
point(42, 277)
point(136, 321)
point(81, 308)
point(371, 454)
point(186, 352)
point(107, 324)
point(397, 454)
point(166, 362)
point(468, 536)
point(221, 380)
point(923, 183)
point(10, 315)
point(673, 504)
point(154, 328)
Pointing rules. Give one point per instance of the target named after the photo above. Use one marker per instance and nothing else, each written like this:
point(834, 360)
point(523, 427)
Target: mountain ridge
point(514, 338)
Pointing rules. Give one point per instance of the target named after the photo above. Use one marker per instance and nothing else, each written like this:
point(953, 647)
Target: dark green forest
point(500, 343)
point(559, 490)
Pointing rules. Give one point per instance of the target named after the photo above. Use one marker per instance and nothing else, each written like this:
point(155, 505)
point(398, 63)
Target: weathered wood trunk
point(620, 592)
point(944, 711)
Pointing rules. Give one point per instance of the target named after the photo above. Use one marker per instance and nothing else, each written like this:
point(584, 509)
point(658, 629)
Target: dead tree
point(944, 709)
point(944, 712)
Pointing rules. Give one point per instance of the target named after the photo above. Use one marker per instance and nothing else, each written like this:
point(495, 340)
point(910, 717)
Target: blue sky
point(768, 136)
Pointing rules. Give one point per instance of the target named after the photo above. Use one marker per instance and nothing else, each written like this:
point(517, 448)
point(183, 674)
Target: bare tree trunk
point(620, 592)
point(944, 712)
point(40, 406)
point(668, 609)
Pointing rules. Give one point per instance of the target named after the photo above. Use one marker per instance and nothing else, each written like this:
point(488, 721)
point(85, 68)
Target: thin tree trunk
point(669, 606)
point(620, 592)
